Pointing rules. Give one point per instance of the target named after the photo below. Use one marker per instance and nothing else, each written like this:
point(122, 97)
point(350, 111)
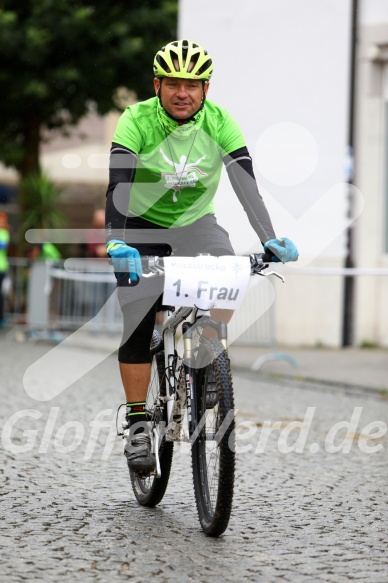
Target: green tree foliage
point(41, 210)
point(57, 57)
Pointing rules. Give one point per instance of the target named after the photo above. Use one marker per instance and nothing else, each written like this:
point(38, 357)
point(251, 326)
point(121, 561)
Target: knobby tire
point(213, 461)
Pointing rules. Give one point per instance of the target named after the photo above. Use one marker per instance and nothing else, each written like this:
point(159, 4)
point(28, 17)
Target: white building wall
point(282, 69)
point(373, 12)
point(372, 172)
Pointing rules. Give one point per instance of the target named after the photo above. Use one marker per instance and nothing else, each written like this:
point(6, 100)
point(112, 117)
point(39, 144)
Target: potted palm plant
point(41, 205)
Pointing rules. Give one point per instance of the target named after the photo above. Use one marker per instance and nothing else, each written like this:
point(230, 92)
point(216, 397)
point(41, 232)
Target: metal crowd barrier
point(252, 330)
point(42, 296)
point(62, 300)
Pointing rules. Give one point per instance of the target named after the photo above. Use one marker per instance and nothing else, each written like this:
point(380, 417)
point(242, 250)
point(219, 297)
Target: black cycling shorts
point(140, 303)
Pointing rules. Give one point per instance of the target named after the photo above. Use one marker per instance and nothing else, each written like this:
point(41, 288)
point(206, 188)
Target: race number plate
point(206, 282)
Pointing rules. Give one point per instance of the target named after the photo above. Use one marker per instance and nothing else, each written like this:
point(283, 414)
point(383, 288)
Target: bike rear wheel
point(213, 451)
point(150, 490)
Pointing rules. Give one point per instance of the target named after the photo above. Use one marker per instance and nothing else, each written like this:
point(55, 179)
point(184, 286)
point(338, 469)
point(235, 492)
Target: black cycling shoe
point(138, 454)
point(211, 389)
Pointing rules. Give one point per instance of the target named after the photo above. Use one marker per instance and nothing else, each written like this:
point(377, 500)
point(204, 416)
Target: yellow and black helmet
point(184, 59)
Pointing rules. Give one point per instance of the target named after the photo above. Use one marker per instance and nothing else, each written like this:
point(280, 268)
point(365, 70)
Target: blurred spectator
point(49, 251)
point(4, 242)
point(96, 247)
point(44, 251)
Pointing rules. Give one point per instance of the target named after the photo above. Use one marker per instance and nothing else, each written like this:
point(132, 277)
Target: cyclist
point(165, 165)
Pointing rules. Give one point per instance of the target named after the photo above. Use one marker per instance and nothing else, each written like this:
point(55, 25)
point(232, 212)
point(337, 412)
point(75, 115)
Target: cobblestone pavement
point(298, 517)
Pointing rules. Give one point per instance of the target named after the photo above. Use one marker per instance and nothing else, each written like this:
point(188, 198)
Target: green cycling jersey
point(178, 166)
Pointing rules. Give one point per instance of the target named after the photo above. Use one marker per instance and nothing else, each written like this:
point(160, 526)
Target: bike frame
point(171, 321)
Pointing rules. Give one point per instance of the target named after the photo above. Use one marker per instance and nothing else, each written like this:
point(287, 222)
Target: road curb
point(382, 392)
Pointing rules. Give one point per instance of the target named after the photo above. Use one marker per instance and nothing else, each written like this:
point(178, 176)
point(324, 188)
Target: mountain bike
point(190, 398)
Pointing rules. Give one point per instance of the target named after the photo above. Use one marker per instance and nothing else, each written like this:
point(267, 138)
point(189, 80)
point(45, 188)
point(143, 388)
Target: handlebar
point(153, 265)
point(259, 262)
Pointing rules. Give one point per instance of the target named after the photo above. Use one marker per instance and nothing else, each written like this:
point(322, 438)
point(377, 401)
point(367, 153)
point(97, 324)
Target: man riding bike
point(165, 166)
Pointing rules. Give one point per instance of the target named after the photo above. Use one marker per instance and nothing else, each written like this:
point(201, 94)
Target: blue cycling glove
point(125, 259)
point(281, 249)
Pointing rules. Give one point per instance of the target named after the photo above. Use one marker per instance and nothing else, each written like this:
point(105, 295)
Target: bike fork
point(191, 372)
point(189, 377)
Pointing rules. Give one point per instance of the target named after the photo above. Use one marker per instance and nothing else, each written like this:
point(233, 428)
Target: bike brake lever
point(154, 267)
point(272, 273)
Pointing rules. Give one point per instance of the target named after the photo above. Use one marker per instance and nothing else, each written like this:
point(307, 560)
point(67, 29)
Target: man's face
point(181, 98)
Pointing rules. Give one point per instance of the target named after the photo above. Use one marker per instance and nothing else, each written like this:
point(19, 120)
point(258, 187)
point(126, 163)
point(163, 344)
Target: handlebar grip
point(267, 258)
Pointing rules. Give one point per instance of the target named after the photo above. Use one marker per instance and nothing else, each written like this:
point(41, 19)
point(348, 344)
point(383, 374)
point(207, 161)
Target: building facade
point(283, 70)
point(372, 170)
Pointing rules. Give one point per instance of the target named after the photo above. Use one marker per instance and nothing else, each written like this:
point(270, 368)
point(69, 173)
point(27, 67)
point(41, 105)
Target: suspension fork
point(191, 373)
point(190, 376)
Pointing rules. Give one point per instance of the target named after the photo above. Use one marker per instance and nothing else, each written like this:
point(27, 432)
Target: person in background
point(4, 242)
point(96, 245)
point(49, 251)
point(45, 250)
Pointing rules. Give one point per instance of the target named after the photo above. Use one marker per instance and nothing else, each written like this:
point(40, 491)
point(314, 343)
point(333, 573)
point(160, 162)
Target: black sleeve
point(239, 167)
point(122, 168)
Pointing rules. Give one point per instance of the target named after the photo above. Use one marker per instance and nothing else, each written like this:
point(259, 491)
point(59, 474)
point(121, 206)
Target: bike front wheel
point(213, 451)
point(150, 490)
